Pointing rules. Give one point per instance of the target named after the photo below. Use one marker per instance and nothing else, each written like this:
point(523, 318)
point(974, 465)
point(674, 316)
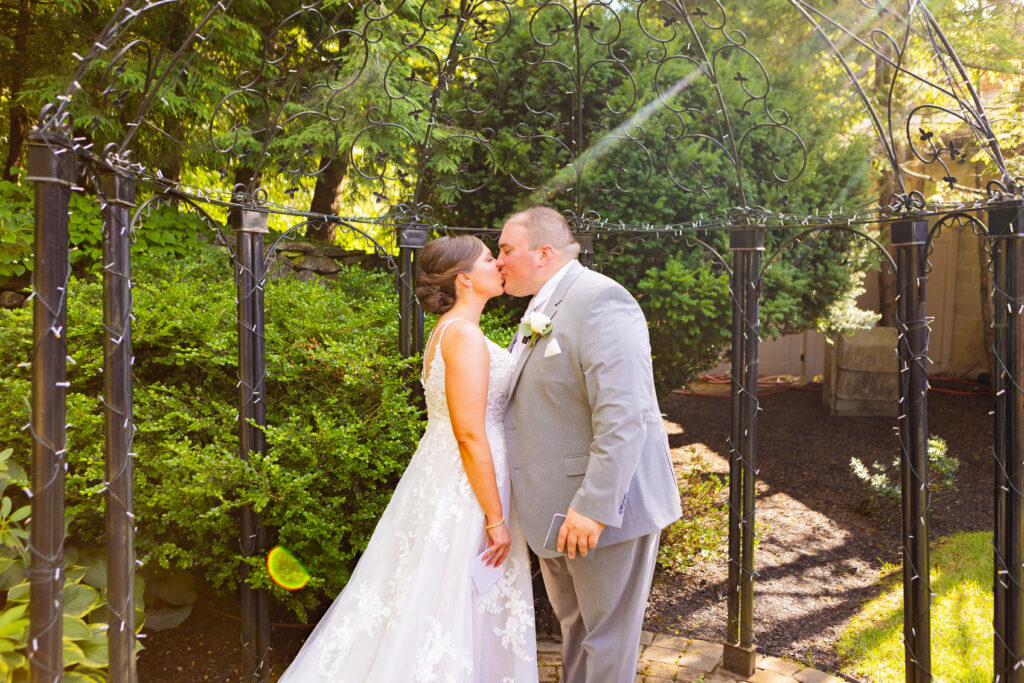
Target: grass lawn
point(872, 646)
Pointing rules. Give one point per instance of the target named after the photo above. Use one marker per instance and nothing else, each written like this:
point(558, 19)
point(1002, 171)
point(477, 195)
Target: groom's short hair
point(545, 226)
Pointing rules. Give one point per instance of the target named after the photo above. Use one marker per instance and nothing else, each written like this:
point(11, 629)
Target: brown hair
point(440, 262)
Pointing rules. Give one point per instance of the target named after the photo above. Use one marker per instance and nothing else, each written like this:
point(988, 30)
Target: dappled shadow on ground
point(820, 553)
point(822, 542)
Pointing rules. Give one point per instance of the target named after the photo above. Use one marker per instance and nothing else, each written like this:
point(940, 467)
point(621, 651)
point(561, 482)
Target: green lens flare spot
point(286, 571)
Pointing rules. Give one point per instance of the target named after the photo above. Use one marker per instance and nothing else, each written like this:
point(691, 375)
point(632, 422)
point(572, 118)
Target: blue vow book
point(551, 542)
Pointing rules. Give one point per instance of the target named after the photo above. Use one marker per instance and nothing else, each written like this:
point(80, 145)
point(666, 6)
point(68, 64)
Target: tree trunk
point(19, 118)
point(325, 199)
point(16, 139)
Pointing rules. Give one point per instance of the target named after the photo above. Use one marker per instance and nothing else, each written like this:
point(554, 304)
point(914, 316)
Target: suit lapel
point(550, 309)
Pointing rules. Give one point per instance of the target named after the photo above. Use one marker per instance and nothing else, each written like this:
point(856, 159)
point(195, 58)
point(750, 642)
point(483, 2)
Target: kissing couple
point(556, 442)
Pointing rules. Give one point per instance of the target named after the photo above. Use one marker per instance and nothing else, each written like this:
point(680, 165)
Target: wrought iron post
point(118, 200)
point(1006, 227)
point(740, 650)
point(250, 226)
point(909, 238)
point(586, 242)
point(411, 238)
point(51, 166)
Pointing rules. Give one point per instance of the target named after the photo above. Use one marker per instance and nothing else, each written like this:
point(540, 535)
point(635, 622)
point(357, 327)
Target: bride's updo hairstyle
point(440, 262)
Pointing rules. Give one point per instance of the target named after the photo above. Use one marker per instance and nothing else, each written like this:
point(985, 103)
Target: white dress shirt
point(537, 303)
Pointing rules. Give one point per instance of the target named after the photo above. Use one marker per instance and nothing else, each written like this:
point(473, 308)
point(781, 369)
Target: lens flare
point(286, 571)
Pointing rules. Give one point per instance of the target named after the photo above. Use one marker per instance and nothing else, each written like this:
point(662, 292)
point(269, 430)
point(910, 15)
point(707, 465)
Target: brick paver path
point(672, 658)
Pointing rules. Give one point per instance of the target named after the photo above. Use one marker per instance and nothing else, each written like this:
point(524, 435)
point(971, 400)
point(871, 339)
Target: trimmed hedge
point(342, 424)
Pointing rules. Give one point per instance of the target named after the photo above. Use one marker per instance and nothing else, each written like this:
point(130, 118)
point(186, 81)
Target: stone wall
point(862, 373)
point(307, 261)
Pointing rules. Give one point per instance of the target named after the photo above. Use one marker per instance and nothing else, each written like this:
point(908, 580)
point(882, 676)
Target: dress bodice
point(499, 376)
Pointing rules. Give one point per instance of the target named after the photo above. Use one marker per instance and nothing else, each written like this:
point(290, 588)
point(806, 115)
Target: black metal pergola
point(422, 96)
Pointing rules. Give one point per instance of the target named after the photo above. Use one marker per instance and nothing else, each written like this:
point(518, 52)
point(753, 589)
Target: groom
point(585, 439)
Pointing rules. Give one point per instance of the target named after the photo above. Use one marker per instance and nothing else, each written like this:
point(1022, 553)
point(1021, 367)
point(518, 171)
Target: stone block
point(871, 350)
point(779, 666)
point(671, 642)
point(659, 654)
point(769, 677)
point(548, 645)
point(646, 638)
point(705, 647)
point(549, 658)
point(318, 264)
point(868, 386)
point(864, 374)
point(662, 669)
point(548, 674)
point(11, 300)
point(694, 660)
point(814, 676)
point(865, 408)
point(721, 676)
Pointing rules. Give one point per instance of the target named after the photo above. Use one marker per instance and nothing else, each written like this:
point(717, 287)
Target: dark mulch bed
point(821, 550)
point(824, 541)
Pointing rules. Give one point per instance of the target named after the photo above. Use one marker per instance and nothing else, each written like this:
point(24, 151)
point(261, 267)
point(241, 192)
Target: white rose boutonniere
point(535, 325)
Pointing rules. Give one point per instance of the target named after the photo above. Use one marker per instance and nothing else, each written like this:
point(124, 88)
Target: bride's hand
point(501, 541)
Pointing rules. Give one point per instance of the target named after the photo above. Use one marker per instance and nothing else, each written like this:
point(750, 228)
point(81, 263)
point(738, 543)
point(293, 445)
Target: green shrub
point(699, 534)
point(688, 310)
point(165, 232)
point(885, 482)
point(342, 426)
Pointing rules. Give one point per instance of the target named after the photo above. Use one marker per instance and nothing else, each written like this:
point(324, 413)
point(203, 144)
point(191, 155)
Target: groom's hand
point(578, 533)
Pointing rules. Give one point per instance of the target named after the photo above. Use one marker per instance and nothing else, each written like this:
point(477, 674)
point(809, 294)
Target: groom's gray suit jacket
point(583, 427)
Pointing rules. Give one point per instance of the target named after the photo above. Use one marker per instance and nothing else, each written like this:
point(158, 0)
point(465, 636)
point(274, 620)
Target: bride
point(419, 606)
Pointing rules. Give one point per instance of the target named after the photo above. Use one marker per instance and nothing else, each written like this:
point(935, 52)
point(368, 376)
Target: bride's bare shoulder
point(462, 336)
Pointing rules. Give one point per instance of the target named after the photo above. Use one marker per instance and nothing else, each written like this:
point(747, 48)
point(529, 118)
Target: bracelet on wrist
point(488, 527)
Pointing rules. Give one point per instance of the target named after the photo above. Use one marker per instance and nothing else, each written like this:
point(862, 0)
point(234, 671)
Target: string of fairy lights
point(439, 106)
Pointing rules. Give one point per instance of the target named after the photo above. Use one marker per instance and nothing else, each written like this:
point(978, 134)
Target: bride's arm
point(467, 366)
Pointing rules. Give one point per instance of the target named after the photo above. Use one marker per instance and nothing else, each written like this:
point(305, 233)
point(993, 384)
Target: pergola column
point(51, 166)
point(1006, 228)
point(909, 239)
point(251, 226)
point(118, 200)
point(411, 238)
point(747, 246)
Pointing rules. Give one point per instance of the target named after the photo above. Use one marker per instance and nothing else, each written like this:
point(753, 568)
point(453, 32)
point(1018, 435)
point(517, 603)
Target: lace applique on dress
point(410, 610)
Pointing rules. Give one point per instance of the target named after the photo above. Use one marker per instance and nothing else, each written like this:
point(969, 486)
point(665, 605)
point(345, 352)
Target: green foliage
point(688, 307)
point(84, 601)
point(498, 322)
point(960, 614)
point(699, 534)
point(165, 232)
point(342, 425)
point(885, 482)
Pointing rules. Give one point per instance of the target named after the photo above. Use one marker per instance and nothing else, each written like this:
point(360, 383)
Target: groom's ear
point(545, 254)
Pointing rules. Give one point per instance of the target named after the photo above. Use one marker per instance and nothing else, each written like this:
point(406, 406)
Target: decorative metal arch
point(412, 98)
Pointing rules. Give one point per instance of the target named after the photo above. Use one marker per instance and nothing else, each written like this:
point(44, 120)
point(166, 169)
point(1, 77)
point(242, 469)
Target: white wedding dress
point(410, 611)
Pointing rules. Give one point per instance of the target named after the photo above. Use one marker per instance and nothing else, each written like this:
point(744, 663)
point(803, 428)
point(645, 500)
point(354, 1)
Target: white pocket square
point(552, 349)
